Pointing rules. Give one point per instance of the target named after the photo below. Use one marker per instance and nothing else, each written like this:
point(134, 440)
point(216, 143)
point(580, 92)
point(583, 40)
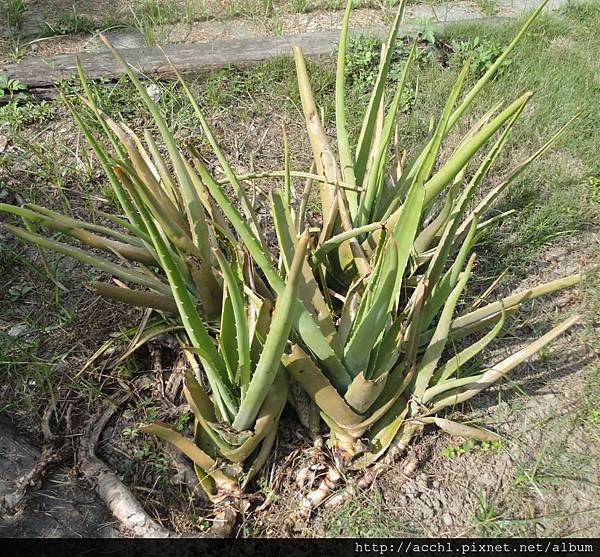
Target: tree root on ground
point(51, 456)
point(133, 519)
point(11, 502)
point(118, 498)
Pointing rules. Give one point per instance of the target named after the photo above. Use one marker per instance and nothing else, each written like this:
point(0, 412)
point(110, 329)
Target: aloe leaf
point(383, 433)
point(507, 303)
point(370, 324)
point(456, 162)
point(307, 327)
point(135, 297)
point(266, 421)
point(231, 177)
point(363, 392)
point(501, 369)
point(76, 223)
point(281, 324)
point(308, 289)
point(131, 275)
point(193, 206)
point(366, 133)
point(236, 297)
point(335, 241)
point(321, 148)
point(372, 192)
point(461, 430)
point(287, 179)
point(213, 363)
point(437, 344)
point(345, 153)
point(454, 364)
point(424, 170)
point(426, 236)
point(124, 200)
point(228, 339)
point(189, 448)
point(166, 181)
point(319, 388)
point(491, 196)
point(72, 228)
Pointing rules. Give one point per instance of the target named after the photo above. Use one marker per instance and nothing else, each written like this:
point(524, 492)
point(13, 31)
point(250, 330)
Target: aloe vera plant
point(368, 303)
point(378, 296)
point(176, 246)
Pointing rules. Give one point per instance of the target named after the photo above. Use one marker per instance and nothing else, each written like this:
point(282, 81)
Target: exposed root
point(134, 520)
point(367, 480)
point(118, 498)
point(323, 494)
point(316, 497)
point(51, 455)
point(11, 502)
point(326, 486)
point(227, 510)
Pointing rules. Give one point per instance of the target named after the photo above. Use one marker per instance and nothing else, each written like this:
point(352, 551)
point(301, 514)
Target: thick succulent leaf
point(137, 277)
point(366, 133)
point(308, 290)
point(186, 446)
point(373, 191)
point(454, 364)
point(363, 392)
point(83, 233)
point(514, 300)
point(425, 238)
point(382, 434)
point(461, 430)
point(76, 223)
point(321, 148)
point(193, 205)
point(202, 343)
point(136, 298)
point(372, 321)
point(281, 324)
point(266, 420)
point(424, 170)
point(317, 385)
point(495, 192)
point(499, 370)
point(242, 334)
point(438, 342)
point(305, 324)
point(335, 241)
point(103, 158)
point(456, 162)
point(346, 157)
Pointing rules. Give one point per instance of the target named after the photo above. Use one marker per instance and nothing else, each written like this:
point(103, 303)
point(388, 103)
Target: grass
point(72, 23)
point(41, 345)
point(14, 14)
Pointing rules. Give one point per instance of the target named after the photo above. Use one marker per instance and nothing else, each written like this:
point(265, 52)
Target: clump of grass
point(483, 53)
point(72, 23)
point(14, 14)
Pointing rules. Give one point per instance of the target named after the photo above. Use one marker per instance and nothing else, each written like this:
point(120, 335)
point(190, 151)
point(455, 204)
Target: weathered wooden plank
point(43, 73)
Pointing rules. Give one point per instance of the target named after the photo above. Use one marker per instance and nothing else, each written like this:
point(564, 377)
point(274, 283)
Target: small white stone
point(17, 330)
point(153, 92)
